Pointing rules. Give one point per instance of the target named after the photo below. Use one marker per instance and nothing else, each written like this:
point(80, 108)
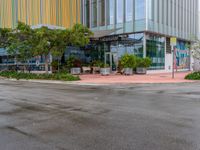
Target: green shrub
point(28, 76)
point(72, 61)
point(144, 62)
point(97, 63)
point(193, 76)
point(129, 61)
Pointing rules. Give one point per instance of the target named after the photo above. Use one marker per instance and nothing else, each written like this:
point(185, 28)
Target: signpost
point(173, 42)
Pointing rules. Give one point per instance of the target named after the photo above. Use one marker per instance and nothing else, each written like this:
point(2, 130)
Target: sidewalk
point(98, 79)
point(122, 79)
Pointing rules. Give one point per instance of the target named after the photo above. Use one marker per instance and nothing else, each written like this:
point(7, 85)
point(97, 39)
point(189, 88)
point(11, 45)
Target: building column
point(144, 46)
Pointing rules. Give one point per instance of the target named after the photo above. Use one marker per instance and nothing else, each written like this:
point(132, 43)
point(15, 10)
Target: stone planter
point(105, 71)
point(141, 70)
point(128, 71)
point(75, 71)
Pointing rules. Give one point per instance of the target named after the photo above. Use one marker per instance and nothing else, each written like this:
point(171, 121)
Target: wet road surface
point(37, 116)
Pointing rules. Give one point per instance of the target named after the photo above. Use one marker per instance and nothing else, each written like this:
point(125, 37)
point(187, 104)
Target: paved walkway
point(122, 79)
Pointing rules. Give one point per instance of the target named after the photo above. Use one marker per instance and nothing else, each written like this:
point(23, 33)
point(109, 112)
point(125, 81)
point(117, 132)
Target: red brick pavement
point(122, 79)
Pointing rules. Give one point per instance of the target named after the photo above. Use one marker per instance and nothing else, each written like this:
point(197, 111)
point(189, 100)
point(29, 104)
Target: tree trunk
point(58, 66)
point(46, 64)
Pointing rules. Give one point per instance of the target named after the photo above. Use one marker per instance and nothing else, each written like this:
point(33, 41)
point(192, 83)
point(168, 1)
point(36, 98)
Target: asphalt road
point(37, 116)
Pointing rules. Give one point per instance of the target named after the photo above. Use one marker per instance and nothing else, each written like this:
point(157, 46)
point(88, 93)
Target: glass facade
point(113, 48)
point(173, 17)
point(123, 15)
point(10, 62)
point(169, 17)
point(155, 49)
point(132, 44)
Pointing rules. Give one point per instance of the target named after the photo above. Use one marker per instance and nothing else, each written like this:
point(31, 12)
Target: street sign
point(173, 41)
point(37, 63)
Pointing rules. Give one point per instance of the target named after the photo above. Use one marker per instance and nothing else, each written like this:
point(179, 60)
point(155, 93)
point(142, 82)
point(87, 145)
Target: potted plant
point(142, 65)
point(74, 65)
point(105, 69)
point(128, 62)
point(96, 65)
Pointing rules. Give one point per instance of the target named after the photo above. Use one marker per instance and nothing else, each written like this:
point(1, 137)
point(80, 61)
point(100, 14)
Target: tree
point(4, 37)
point(196, 49)
point(54, 42)
point(49, 42)
point(80, 35)
point(21, 43)
point(25, 42)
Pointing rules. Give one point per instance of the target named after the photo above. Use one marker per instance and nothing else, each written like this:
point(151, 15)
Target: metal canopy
point(103, 33)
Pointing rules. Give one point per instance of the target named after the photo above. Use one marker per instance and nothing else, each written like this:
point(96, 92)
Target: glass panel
point(110, 11)
point(129, 10)
point(87, 13)
point(132, 44)
point(101, 12)
point(120, 11)
point(94, 13)
point(156, 51)
point(139, 9)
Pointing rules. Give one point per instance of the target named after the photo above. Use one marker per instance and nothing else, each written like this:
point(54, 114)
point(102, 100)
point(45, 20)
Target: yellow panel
point(22, 10)
point(66, 13)
point(73, 14)
point(7, 14)
point(79, 11)
point(56, 12)
point(45, 11)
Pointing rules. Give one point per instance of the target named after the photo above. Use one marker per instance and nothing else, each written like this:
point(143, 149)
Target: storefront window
point(132, 44)
point(156, 51)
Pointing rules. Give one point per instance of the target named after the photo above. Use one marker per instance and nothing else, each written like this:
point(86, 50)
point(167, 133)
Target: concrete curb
point(89, 83)
point(53, 82)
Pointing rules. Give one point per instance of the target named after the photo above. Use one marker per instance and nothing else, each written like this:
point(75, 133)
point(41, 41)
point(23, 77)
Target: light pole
point(173, 42)
point(173, 61)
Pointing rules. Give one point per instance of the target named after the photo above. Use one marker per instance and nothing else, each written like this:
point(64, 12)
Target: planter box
point(141, 70)
point(105, 71)
point(128, 71)
point(75, 71)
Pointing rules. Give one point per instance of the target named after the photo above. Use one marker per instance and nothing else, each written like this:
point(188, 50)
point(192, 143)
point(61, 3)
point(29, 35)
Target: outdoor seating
point(95, 70)
point(86, 69)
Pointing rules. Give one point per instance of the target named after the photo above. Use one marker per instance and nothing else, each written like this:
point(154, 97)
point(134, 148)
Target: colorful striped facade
point(54, 12)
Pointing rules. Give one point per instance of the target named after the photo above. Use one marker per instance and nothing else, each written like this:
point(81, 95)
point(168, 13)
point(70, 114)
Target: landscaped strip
point(193, 76)
point(31, 76)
